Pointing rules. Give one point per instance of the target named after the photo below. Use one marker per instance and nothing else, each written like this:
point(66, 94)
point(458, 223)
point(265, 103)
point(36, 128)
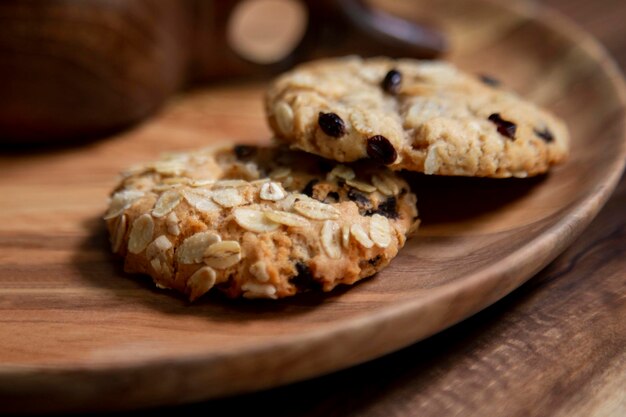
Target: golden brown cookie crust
point(424, 116)
point(258, 222)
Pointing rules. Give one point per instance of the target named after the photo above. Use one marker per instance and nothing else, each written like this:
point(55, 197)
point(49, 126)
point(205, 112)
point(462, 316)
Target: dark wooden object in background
point(76, 69)
point(73, 69)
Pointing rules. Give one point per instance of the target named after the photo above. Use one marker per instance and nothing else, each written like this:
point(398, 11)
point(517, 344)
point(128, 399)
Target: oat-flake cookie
point(258, 222)
point(424, 116)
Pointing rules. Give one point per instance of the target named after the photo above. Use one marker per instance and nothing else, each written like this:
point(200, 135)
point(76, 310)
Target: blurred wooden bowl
point(77, 69)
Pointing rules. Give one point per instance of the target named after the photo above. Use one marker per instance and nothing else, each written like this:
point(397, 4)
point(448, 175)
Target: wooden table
point(556, 346)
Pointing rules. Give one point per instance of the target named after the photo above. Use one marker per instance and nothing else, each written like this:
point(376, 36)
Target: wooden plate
point(79, 334)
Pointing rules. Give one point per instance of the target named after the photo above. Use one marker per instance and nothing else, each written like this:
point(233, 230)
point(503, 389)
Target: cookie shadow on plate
point(460, 199)
point(100, 269)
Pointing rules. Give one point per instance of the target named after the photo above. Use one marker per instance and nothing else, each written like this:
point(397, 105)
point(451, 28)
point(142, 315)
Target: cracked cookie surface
point(258, 222)
point(424, 116)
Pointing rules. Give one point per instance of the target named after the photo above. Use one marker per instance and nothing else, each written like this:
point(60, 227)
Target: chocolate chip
point(544, 134)
point(489, 80)
point(359, 198)
point(308, 188)
point(331, 124)
point(333, 195)
point(505, 128)
point(304, 279)
point(391, 82)
point(303, 269)
point(381, 150)
point(388, 208)
point(375, 260)
point(244, 151)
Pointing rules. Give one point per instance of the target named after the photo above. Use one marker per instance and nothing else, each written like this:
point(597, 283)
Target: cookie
point(258, 222)
point(424, 116)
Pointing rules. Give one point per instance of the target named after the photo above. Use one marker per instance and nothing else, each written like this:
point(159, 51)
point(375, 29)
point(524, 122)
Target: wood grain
point(78, 334)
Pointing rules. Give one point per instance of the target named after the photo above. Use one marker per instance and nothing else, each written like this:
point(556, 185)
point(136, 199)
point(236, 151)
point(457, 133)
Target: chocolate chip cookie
point(424, 116)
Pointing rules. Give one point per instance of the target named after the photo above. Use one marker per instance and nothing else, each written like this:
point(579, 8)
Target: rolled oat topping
point(201, 201)
point(166, 203)
point(330, 239)
point(315, 210)
point(284, 117)
point(191, 251)
point(253, 290)
point(272, 191)
point(118, 237)
point(231, 227)
point(379, 231)
point(121, 201)
point(222, 254)
point(341, 171)
point(259, 271)
point(140, 233)
point(286, 218)
point(254, 220)
point(162, 243)
point(385, 185)
point(230, 183)
point(228, 197)
point(360, 185)
point(201, 282)
point(345, 236)
point(361, 236)
point(172, 224)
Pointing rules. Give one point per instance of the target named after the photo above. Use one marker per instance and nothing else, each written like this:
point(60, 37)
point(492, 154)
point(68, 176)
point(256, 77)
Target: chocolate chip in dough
point(331, 124)
point(505, 128)
point(391, 82)
point(381, 150)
